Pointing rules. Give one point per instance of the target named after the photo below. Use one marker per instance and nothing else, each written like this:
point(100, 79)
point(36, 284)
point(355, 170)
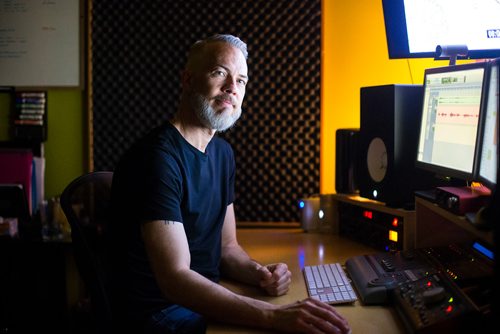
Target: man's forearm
point(237, 264)
point(216, 302)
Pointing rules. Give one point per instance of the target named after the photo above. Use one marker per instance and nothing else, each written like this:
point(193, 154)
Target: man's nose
point(230, 85)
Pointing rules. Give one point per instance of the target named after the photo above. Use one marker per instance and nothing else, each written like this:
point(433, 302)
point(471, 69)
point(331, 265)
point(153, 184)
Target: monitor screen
point(488, 158)
point(414, 28)
point(450, 120)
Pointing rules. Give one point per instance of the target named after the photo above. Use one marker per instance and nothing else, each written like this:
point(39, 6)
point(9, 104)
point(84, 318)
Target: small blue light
point(483, 250)
point(301, 204)
point(302, 257)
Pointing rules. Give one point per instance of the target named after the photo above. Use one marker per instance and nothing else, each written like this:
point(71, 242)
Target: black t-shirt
point(163, 177)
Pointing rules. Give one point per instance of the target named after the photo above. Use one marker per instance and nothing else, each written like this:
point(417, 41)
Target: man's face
point(218, 86)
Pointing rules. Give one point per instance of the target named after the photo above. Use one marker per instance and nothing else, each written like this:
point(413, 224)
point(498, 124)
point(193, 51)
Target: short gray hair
point(229, 39)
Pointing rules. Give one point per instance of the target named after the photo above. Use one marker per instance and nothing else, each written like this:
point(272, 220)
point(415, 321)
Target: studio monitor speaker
point(346, 156)
point(388, 139)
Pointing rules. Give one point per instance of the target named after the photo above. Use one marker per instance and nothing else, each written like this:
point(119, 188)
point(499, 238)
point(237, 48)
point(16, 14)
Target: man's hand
point(275, 278)
point(310, 316)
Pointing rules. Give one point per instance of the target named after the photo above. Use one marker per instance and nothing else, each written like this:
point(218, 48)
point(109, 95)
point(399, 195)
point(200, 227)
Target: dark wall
point(139, 49)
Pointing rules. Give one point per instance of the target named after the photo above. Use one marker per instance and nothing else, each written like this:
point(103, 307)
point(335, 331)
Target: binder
point(16, 166)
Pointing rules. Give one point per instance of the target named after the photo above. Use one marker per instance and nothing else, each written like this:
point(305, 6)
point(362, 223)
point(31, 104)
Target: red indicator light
point(429, 283)
point(395, 222)
point(449, 309)
point(368, 214)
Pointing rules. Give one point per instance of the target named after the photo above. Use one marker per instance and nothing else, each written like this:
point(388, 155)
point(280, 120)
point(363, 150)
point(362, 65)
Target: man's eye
point(242, 82)
point(220, 73)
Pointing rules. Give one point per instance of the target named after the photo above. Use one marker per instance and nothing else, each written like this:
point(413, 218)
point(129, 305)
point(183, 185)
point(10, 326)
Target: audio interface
point(460, 200)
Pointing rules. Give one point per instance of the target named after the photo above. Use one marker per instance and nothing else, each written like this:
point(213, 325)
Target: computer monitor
point(448, 137)
point(488, 154)
point(414, 28)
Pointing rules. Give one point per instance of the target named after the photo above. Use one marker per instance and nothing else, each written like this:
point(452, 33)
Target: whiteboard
point(40, 43)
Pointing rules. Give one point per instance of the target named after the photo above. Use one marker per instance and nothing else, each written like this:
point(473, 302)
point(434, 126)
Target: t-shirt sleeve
point(161, 189)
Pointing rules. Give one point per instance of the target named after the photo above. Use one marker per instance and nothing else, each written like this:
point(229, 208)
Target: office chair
point(85, 202)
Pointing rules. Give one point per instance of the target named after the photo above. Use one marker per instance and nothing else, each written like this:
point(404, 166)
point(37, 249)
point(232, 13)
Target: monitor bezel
point(397, 36)
point(483, 180)
point(448, 172)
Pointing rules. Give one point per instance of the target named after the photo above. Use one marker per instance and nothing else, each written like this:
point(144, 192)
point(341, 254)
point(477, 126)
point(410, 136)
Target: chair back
point(86, 202)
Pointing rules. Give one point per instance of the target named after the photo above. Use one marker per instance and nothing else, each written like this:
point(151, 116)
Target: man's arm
point(237, 264)
point(168, 251)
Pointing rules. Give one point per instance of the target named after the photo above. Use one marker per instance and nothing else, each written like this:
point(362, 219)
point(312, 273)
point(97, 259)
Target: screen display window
point(450, 118)
point(474, 23)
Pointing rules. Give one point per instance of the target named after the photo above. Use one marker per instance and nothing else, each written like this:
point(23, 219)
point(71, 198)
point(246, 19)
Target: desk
point(297, 248)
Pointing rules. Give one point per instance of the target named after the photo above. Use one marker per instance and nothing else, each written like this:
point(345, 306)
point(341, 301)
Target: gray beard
point(209, 118)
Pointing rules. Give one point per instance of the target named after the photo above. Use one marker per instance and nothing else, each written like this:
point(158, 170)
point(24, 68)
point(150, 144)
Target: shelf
point(377, 227)
point(428, 225)
point(437, 226)
point(371, 204)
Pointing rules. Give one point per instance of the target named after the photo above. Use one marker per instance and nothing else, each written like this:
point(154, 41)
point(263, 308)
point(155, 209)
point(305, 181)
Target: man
point(173, 230)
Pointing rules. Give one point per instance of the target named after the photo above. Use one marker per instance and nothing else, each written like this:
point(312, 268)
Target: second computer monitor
point(488, 154)
point(449, 127)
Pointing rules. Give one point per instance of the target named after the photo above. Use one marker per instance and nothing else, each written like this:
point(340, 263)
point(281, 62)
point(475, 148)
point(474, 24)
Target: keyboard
point(329, 283)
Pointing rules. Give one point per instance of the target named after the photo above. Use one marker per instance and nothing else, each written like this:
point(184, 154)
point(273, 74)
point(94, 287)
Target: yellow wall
point(5, 107)
point(355, 55)
point(65, 147)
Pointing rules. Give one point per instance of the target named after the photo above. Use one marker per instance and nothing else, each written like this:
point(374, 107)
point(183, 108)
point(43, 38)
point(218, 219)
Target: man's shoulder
point(161, 137)
point(220, 143)
point(165, 131)
point(220, 150)
point(156, 140)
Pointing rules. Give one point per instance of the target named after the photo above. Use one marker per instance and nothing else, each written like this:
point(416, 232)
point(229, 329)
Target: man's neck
point(194, 133)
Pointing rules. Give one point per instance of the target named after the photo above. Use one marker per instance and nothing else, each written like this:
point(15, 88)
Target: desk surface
point(297, 249)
